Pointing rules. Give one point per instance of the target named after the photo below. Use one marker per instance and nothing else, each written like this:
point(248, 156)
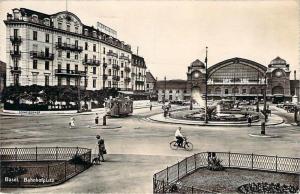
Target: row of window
point(59, 40)
point(236, 91)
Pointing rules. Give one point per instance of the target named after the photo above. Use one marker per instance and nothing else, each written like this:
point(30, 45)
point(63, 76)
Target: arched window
point(253, 90)
point(235, 90)
point(218, 90)
point(278, 90)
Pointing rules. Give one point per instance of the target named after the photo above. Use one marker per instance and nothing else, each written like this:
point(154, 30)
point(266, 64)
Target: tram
point(119, 107)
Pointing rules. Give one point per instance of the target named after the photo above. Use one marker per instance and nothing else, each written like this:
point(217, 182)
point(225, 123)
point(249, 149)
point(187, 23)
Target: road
point(138, 149)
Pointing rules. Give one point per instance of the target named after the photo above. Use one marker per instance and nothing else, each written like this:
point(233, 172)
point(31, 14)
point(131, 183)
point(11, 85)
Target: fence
point(164, 181)
point(41, 166)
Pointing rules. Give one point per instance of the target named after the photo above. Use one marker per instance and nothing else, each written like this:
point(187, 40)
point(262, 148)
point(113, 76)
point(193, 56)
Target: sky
point(172, 34)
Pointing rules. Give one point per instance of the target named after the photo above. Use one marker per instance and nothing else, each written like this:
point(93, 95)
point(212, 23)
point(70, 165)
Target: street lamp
point(206, 77)
point(165, 83)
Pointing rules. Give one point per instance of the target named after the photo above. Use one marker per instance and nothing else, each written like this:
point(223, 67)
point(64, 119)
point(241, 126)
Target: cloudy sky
point(172, 34)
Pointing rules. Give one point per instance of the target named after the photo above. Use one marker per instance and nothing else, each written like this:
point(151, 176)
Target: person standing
point(72, 122)
point(150, 106)
point(96, 119)
point(249, 119)
point(101, 147)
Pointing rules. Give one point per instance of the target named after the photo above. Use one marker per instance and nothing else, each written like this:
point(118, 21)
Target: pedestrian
point(72, 122)
point(101, 147)
point(150, 106)
point(249, 120)
point(96, 119)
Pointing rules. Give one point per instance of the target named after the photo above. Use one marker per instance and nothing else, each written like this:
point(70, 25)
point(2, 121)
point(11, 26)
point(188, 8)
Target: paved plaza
point(140, 147)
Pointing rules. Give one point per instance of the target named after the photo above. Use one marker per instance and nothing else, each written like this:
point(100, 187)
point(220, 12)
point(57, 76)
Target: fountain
point(221, 110)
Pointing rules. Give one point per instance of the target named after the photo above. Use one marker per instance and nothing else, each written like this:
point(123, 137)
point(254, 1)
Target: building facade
point(2, 76)
point(171, 90)
point(238, 78)
point(59, 49)
point(138, 75)
point(150, 83)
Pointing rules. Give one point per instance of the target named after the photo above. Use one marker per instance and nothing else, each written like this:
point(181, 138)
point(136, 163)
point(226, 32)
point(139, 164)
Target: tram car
point(119, 107)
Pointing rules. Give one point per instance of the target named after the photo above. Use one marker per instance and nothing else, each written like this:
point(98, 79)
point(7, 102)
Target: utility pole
point(265, 98)
point(164, 99)
point(78, 91)
point(257, 105)
point(206, 77)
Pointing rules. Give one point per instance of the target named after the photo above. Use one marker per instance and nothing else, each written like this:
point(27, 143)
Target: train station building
point(237, 78)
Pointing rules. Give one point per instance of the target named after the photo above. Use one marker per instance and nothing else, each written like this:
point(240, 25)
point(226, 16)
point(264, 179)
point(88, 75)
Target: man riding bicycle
point(179, 137)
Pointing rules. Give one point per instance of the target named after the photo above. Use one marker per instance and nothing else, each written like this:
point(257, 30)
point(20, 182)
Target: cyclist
point(179, 137)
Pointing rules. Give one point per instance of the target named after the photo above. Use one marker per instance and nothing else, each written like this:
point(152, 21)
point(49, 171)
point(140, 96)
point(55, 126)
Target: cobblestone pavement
point(138, 149)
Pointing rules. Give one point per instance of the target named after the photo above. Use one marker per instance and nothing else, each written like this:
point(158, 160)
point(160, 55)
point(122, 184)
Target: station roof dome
point(197, 63)
point(278, 61)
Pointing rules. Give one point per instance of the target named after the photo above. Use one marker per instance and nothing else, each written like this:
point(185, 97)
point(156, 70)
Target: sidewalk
point(93, 111)
point(273, 120)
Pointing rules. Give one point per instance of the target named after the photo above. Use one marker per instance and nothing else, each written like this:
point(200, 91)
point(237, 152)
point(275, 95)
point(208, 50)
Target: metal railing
point(91, 62)
point(41, 55)
point(164, 180)
point(71, 47)
point(16, 39)
point(45, 165)
point(70, 72)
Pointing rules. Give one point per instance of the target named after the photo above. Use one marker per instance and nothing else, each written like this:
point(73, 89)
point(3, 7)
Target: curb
point(62, 114)
point(214, 124)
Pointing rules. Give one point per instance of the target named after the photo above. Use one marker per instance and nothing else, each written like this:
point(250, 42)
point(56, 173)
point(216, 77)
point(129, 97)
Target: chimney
point(295, 77)
point(137, 51)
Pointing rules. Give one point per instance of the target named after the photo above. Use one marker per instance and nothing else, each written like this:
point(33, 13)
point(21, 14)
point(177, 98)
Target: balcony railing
point(41, 55)
point(115, 66)
point(104, 65)
point(127, 79)
point(124, 57)
point(91, 62)
point(16, 39)
point(68, 72)
point(71, 47)
point(139, 82)
point(104, 77)
point(15, 54)
point(116, 78)
point(127, 69)
point(110, 53)
point(15, 69)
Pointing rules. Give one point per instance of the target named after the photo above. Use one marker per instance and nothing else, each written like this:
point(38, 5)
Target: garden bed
point(230, 179)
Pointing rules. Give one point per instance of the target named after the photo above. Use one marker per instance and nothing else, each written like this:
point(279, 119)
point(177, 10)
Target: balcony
point(115, 66)
point(116, 78)
point(15, 69)
point(16, 39)
point(41, 55)
point(127, 79)
point(91, 62)
point(110, 53)
point(124, 57)
point(139, 82)
point(15, 54)
point(71, 47)
point(104, 77)
point(104, 65)
point(127, 69)
point(68, 72)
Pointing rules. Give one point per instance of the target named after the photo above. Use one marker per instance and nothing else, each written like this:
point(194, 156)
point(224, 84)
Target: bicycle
point(185, 144)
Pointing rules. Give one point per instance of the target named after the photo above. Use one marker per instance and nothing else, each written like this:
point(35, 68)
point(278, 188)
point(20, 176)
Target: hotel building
point(59, 49)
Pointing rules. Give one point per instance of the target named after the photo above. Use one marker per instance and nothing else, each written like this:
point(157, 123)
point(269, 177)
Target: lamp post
point(206, 77)
point(165, 83)
point(263, 124)
point(257, 105)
